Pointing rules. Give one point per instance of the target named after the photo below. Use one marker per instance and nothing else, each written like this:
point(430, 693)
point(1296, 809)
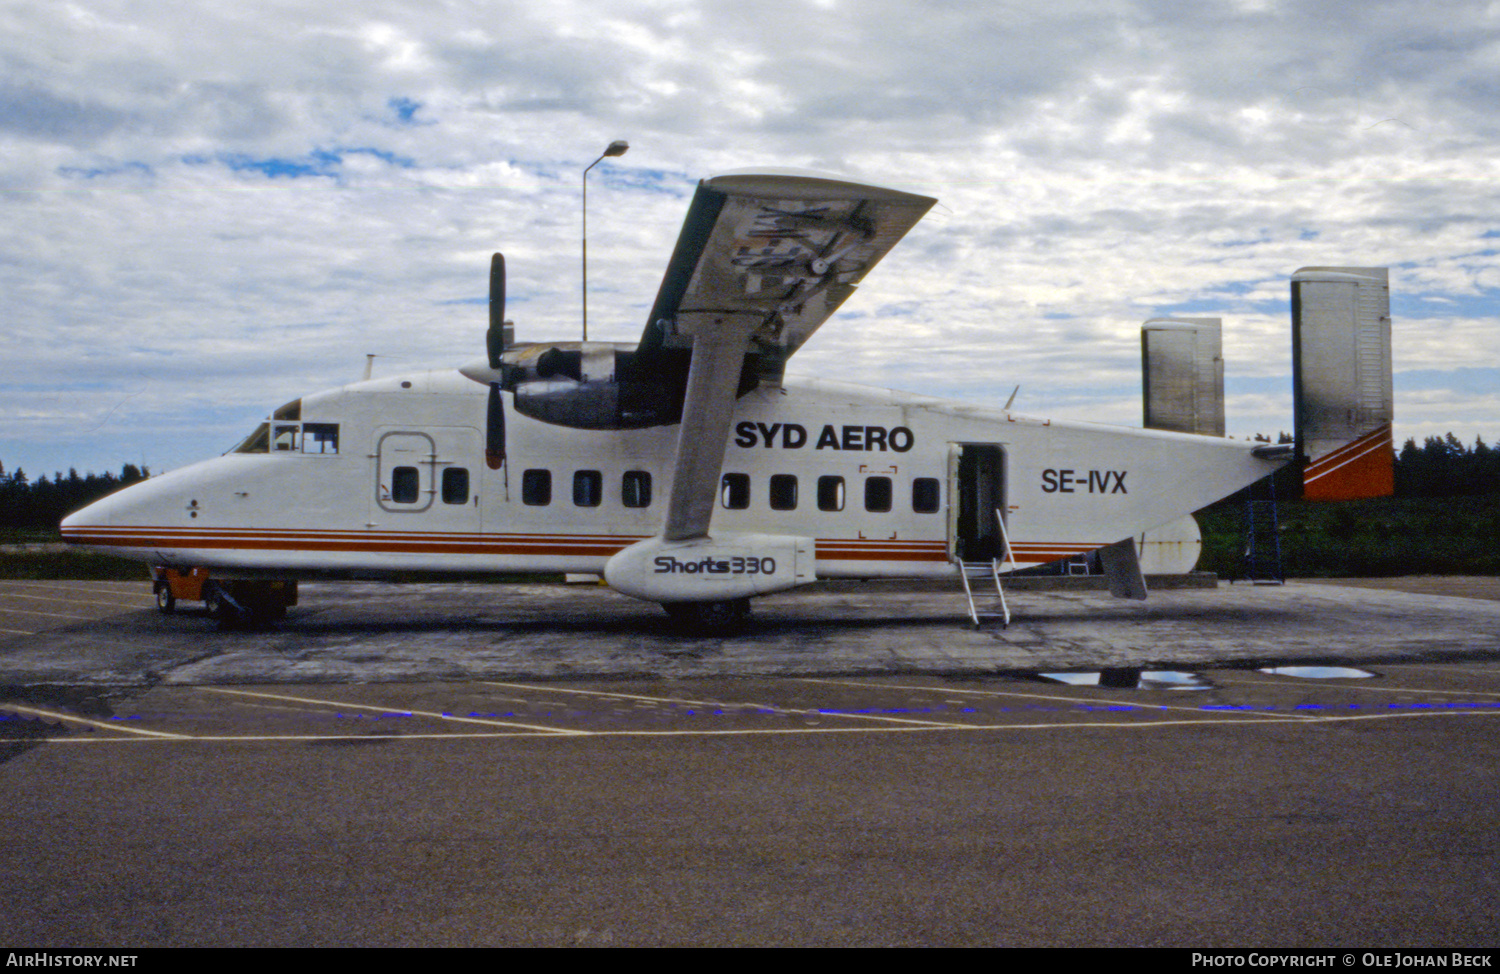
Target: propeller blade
point(494, 339)
point(494, 429)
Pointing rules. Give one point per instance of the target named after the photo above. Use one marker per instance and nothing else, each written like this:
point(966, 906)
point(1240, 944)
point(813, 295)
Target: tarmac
point(367, 632)
point(1267, 767)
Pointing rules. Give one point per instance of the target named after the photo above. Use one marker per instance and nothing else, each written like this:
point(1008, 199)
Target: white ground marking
point(1044, 696)
point(720, 703)
point(97, 588)
point(75, 719)
point(50, 615)
point(50, 598)
point(514, 730)
point(1378, 689)
point(553, 734)
point(1491, 671)
point(1451, 693)
point(399, 710)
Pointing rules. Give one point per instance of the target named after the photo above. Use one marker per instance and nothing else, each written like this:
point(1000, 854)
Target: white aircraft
point(689, 471)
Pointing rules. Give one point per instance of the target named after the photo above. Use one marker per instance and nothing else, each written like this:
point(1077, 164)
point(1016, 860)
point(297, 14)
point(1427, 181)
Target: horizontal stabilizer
point(1341, 364)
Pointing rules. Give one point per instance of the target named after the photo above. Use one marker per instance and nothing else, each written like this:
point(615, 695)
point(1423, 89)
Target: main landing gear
point(709, 618)
point(248, 605)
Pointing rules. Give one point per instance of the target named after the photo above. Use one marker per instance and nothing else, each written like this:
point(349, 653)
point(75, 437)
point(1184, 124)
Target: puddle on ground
point(1318, 672)
point(1126, 678)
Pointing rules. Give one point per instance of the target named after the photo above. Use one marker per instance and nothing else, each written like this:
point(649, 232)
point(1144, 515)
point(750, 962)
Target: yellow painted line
point(50, 615)
point(20, 632)
point(1453, 693)
point(720, 703)
point(762, 732)
point(129, 588)
point(73, 718)
point(1226, 710)
point(47, 598)
point(1440, 668)
point(399, 710)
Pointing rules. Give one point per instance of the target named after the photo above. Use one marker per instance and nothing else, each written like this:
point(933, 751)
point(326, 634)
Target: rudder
point(1341, 366)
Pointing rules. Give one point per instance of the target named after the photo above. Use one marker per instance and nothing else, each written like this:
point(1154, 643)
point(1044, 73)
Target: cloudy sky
point(211, 207)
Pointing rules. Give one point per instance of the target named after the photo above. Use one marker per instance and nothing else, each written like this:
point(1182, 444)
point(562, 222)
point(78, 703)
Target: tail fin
point(1182, 371)
point(1341, 365)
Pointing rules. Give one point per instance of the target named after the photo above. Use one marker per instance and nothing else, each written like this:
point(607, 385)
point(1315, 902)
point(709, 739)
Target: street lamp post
point(616, 148)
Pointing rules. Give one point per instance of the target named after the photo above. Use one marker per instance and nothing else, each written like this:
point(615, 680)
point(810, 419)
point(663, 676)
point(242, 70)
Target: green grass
point(70, 564)
point(1377, 538)
point(29, 535)
point(61, 564)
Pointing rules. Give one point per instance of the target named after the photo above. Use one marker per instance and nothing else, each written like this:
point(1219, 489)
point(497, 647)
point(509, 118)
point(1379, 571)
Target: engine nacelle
point(589, 385)
point(711, 569)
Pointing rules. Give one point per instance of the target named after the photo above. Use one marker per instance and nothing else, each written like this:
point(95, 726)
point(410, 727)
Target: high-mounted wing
point(779, 251)
point(763, 259)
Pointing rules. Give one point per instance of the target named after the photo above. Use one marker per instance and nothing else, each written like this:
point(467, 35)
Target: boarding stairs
point(973, 572)
point(1261, 563)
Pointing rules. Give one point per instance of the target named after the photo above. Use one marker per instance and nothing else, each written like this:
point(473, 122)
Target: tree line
point(40, 504)
point(1444, 467)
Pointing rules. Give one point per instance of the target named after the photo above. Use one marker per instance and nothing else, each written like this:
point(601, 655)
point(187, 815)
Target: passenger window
point(536, 488)
point(405, 484)
point(320, 437)
point(830, 493)
point(635, 489)
point(588, 488)
point(926, 496)
point(877, 494)
point(456, 485)
point(285, 440)
point(734, 491)
point(783, 492)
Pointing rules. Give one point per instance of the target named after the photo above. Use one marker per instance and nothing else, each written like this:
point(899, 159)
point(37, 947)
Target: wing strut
point(708, 409)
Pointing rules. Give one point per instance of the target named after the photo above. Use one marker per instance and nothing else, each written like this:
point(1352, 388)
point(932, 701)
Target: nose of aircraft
point(88, 525)
point(115, 522)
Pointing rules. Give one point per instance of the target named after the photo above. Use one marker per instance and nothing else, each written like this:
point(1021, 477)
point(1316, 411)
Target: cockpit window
point(292, 410)
point(320, 437)
point(257, 442)
point(273, 437)
point(285, 438)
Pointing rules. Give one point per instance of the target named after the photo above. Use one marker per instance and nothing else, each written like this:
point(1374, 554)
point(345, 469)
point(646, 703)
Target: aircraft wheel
point(709, 618)
point(166, 602)
point(265, 603)
point(216, 601)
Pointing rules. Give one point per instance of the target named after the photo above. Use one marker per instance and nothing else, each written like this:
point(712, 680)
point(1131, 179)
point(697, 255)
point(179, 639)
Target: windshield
point(257, 442)
point(275, 437)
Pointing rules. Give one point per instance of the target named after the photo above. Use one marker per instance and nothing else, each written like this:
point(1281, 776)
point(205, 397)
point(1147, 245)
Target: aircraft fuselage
point(389, 476)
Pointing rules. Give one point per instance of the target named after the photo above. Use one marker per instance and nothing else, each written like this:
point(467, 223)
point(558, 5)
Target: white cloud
point(227, 205)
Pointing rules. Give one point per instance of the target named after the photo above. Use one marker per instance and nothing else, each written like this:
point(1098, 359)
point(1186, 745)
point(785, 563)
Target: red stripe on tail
point(1363, 468)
